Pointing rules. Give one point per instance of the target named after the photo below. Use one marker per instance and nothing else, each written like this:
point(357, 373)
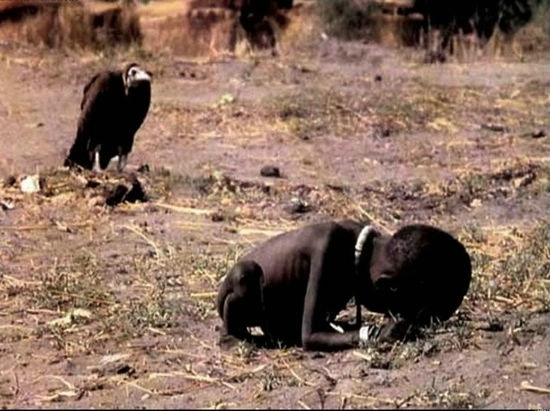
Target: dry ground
point(113, 306)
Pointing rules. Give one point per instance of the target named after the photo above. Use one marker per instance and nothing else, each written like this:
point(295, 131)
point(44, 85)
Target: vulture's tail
point(79, 154)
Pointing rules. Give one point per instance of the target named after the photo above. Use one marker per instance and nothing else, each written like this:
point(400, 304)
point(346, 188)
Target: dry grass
point(303, 31)
point(511, 266)
point(175, 27)
point(76, 25)
point(513, 269)
point(192, 36)
point(87, 302)
point(93, 280)
point(162, 26)
point(198, 29)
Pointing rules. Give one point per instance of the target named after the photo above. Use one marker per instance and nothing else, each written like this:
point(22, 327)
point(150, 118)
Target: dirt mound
point(195, 32)
point(72, 24)
point(198, 28)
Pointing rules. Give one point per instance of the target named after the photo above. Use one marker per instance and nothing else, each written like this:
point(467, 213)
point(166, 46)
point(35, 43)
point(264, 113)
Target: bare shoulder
point(321, 233)
point(303, 240)
point(349, 224)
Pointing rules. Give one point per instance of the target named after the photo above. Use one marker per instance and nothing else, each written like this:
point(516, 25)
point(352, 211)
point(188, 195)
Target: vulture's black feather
point(113, 107)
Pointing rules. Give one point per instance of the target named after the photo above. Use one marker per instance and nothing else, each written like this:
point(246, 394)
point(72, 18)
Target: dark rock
point(122, 193)
point(117, 195)
point(494, 127)
point(144, 168)
point(270, 171)
point(297, 205)
point(92, 184)
point(10, 181)
point(494, 326)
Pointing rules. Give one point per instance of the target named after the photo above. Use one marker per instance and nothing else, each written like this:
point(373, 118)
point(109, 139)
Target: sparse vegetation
point(115, 305)
point(452, 397)
point(72, 25)
point(77, 285)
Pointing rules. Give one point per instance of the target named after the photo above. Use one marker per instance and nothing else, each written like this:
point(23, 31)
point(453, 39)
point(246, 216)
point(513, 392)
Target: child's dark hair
point(436, 272)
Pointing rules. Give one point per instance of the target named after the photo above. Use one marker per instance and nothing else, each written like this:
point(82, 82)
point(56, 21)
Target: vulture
point(113, 107)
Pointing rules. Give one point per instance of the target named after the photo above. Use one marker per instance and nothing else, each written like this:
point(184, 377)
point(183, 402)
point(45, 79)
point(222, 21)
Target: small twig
point(16, 327)
point(503, 299)
point(139, 387)
point(187, 210)
point(57, 377)
point(24, 227)
point(249, 231)
point(204, 295)
point(181, 352)
point(202, 343)
point(399, 404)
point(246, 373)
point(362, 397)
point(174, 391)
point(526, 386)
point(304, 405)
point(372, 219)
point(493, 127)
point(16, 379)
point(40, 311)
point(156, 331)
point(295, 375)
point(197, 377)
point(325, 373)
point(187, 376)
point(38, 226)
point(150, 242)
point(361, 355)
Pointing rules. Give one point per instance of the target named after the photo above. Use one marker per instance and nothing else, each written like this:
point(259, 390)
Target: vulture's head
point(135, 75)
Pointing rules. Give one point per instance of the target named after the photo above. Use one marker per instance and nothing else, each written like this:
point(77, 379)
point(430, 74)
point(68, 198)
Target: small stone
point(30, 184)
point(297, 205)
point(112, 365)
point(494, 326)
point(476, 202)
point(217, 216)
point(270, 171)
point(499, 128)
point(5, 206)
point(92, 184)
point(117, 195)
point(144, 168)
point(96, 201)
point(10, 181)
point(122, 193)
point(429, 348)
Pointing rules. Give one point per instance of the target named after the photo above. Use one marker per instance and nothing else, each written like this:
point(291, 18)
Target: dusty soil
point(113, 306)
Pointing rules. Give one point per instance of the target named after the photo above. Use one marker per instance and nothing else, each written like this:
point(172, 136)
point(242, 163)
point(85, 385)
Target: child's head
point(421, 273)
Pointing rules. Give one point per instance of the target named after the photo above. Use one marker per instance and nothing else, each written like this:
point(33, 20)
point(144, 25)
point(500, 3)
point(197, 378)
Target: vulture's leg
point(96, 167)
point(122, 160)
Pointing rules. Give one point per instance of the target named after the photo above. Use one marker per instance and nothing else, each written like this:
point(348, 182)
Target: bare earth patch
point(113, 306)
